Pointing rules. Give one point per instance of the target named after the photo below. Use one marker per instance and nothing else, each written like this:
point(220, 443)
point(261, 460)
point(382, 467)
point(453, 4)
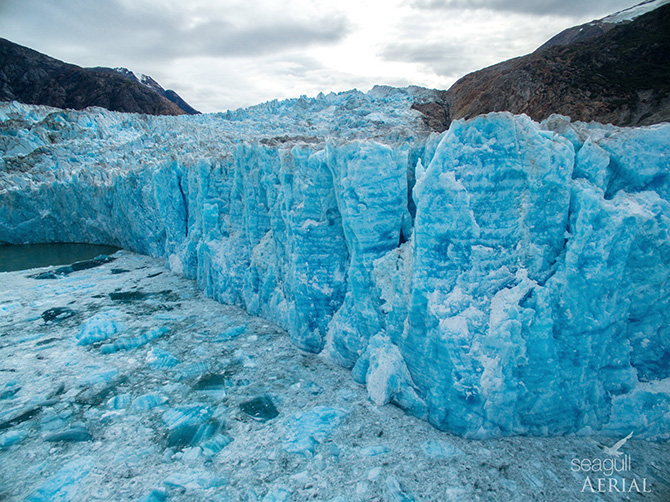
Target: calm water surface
point(25, 256)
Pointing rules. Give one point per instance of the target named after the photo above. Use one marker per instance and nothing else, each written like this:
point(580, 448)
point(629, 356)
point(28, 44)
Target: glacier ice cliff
point(505, 277)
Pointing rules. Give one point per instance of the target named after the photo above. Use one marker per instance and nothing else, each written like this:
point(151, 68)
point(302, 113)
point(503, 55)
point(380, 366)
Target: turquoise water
point(25, 256)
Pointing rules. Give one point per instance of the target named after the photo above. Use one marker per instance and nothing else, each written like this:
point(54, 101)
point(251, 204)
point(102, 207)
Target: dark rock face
point(177, 100)
point(578, 34)
point(435, 114)
point(620, 77)
point(34, 78)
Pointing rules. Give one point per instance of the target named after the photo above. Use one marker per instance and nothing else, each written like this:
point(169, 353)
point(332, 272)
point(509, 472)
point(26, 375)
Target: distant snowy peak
point(127, 73)
point(598, 27)
point(150, 83)
point(626, 15)
point(141, 78)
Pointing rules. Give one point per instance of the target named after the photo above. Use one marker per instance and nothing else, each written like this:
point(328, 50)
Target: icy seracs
point(505, 277)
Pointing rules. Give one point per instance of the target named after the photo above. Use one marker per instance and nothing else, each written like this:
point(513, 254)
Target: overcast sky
point(223, 54)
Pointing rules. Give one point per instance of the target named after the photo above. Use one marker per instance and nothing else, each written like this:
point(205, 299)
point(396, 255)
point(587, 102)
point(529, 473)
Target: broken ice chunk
point(277, 495)
point(308, 429)
point(161, 359)
point(73, 435)
point(118, 402)
point(395, 493)
point(260, 408)
point(8, 307)
point(21, 415)
point(154, 496)
point(192, 370)
point(213, 385)
point(100, 377)
point(101, 326)
point(135, 342)
point(63, 485)
point(373, 451)
point(440, 449)
point(11, 438)
point(52, 421)
point(189, 425)
point(194, 480)
point(231, 333)
point(247, 360)
point(10, 389)
point(215, 444)
point(57, 314)
point(148, 401)
point(191, 454)
point(346, 394)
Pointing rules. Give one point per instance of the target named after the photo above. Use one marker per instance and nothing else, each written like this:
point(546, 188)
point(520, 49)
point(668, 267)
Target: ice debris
point(72, 435)
point(260, 408)
point(148, 401)
point(161, 359)
point(189, 425)
point(10, 390)
point(118, 402)
point(306, 430)
point(440, 449)
point(194, 480)
point(100, 327)
point(11, 438)
point(277, 495)
point(230, 333)
point(65, 483)
point(395, 492)
point(215, 444)
point(135, 342)
point(104, 376)
point(154, 496)
point(56, 314)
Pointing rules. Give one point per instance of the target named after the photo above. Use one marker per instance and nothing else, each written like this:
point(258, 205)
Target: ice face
point(503, 278)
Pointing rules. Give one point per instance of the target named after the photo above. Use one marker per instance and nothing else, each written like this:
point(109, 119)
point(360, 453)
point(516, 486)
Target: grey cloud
point(569, 8)
point(112, 28)
point(445, 59)
point(223, 39)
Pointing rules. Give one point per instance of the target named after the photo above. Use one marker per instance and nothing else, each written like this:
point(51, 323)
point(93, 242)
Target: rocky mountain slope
point(620, 77)
point(598, 27)
point(34, 78)
point(150, 83)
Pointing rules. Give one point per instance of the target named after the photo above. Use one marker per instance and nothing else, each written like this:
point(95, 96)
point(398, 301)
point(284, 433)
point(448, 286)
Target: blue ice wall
point(506, 277)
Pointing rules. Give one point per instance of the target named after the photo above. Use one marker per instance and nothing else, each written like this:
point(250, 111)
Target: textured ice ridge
point(505, 277)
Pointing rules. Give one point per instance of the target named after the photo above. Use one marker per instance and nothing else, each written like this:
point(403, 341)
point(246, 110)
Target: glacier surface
point(503, 278)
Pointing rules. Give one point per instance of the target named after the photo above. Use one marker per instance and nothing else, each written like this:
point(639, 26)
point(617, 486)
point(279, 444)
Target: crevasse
point(505, 277)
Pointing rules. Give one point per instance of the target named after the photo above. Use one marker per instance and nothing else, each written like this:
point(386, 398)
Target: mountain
point(614, 70)
point(150, 83)
point(600, 26)
point(34, 78)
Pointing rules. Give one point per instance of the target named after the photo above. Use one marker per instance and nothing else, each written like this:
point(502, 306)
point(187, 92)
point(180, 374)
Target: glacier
point(505, 277)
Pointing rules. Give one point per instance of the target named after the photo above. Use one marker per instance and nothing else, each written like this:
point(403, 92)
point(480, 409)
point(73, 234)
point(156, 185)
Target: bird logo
point(614, 450)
